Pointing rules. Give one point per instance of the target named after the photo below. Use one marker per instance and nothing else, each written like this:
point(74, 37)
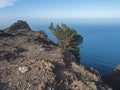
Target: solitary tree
point(68, 39)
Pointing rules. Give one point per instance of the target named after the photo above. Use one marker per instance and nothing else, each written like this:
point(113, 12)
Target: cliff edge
point(30, 61)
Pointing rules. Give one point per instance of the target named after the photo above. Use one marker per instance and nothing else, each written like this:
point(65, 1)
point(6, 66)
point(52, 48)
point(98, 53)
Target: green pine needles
point(68, 39)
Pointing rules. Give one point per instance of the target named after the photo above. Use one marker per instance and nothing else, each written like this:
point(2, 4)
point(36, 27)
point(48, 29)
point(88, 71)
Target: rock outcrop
point(113, 79)
point(18, 25)
point(30, 61)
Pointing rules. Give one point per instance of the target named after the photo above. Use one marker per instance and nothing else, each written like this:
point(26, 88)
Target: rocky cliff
point(113, 79)
point(30, 61)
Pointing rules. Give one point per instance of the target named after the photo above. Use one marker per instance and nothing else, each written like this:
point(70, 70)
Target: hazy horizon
point(42, 11)
point(47, 22)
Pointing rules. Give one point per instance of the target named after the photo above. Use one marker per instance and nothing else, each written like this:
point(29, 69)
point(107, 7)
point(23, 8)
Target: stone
point(23, 69)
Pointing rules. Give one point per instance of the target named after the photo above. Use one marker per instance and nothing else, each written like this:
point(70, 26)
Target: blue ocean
point(101, 45)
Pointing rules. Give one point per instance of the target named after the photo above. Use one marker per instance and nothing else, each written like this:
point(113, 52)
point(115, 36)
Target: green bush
point(68, 39)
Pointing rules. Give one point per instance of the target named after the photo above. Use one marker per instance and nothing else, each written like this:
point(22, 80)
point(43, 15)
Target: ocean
point(101, 45)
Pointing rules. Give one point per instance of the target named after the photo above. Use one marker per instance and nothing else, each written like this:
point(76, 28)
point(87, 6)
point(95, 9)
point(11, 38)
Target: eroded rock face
point(113, 79)
point(30, 61)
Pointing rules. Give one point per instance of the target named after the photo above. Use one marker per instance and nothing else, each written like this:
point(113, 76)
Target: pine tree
point(68, 39)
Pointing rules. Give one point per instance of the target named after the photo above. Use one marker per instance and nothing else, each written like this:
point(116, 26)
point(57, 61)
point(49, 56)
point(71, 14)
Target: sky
point(43, 10)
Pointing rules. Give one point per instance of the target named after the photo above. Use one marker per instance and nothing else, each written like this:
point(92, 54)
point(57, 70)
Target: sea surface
point(101, 45)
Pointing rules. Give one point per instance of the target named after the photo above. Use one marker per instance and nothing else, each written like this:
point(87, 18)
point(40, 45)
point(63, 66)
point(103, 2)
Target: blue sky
point(35, 10)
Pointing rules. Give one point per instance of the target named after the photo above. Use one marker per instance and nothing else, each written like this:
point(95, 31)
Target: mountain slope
point(30, 61)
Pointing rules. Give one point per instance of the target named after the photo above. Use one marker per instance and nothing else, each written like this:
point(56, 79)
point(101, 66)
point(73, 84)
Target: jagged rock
point(113, 79)
point(18, 25)
point(30, 61)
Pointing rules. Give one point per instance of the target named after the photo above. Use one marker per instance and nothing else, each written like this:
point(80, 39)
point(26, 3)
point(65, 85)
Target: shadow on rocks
point(3, 86)
point(13, 55)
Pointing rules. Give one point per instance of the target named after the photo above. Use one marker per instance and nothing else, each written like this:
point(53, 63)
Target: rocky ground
point(30, 61)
